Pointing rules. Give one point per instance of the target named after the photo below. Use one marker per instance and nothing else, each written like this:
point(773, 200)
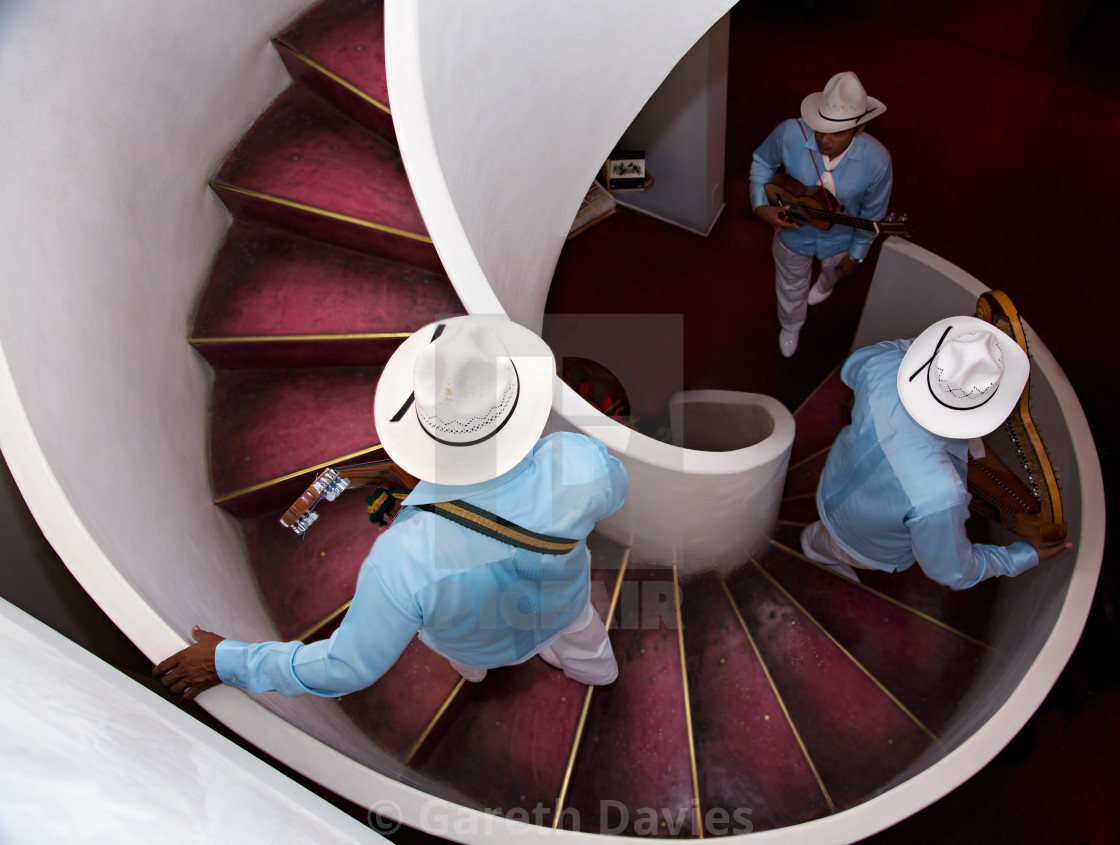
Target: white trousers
point(793, 276)
point(818, 544)
point(583, 651)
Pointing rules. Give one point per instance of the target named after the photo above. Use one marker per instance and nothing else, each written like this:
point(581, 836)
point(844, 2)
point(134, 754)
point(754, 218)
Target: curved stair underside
point(778, 695)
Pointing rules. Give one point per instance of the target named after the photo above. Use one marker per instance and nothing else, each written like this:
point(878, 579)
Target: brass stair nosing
point(331, 75)
point(577, 735)
point(218, 185)
point(294, 338)
point(699, 824)
point(272, 482)
point(867, 672)
point(891, 600)
point(778, 696)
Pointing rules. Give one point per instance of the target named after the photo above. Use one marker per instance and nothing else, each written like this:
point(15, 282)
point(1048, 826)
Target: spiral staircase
point(775, 697)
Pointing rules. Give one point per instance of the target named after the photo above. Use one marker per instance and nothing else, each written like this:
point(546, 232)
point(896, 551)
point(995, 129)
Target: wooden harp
point(1030, 507)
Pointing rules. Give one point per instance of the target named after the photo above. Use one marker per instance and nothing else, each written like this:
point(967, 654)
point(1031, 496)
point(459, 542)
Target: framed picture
point(626, 170)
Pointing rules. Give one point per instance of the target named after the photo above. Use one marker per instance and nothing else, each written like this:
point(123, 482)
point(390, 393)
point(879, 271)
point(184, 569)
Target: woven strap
point(474, 518)
point(377, 505)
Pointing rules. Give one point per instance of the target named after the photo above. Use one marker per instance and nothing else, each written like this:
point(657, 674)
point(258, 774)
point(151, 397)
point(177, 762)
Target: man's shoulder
point(873, 147)
point(791, 127)
point(578, 457)
point(880, 358)
point(568, 442)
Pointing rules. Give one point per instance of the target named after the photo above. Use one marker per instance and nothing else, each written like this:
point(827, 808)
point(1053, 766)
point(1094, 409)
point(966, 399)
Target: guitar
point(1032, 508)
point(818, 207)
point(331, 483)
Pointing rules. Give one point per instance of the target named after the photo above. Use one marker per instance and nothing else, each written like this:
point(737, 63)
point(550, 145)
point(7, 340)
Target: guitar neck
point(837, 218)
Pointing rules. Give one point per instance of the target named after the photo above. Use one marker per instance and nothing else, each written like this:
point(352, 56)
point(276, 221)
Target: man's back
point(884, 469)
point(893, 492)
point(479, 600)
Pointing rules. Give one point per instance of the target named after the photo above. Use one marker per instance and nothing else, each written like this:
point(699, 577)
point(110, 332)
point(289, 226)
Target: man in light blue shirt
point(461, 405)
point(894, 489)
point(826, 147)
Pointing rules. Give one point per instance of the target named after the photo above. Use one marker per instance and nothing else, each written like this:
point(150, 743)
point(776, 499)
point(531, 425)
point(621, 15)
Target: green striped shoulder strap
point(474, 518)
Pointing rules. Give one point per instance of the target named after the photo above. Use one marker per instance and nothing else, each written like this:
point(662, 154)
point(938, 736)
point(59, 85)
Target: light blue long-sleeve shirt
point(893, 492)
point(863, 186)
point(473, 598)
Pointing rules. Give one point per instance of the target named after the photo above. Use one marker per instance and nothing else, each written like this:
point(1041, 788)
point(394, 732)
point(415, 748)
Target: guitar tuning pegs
point(304, 522)
point(335, 488)
point(326, 478)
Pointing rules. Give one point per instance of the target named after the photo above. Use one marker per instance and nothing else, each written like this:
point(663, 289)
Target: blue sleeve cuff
point(231, 660)
point(1023, 556)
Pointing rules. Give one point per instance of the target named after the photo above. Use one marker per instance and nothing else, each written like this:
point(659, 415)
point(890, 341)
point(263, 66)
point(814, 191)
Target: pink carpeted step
point(508, 746)
point(266, 424)
point(802, 477)
point(856, 736)
point(926, 665)
point(396, 710)
point(633, 774)
point(799, 507)
point(337, 50)
point(820, 417)
point(305, 580)
point(753, 774)
point(968, 610)
point(307, 169)
point(349, 308)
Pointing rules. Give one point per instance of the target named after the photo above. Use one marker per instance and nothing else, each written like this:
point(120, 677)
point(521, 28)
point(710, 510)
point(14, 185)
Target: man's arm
point(945, 554)
point(371, 637)
point(191, 670)
point(876, 198)
point(854, 364)
point(764, 164)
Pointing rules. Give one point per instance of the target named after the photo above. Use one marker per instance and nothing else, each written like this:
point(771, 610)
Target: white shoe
point(844, 571)
point(471, 673)
point(817, 295)
point(813, 532)
point(787, 342)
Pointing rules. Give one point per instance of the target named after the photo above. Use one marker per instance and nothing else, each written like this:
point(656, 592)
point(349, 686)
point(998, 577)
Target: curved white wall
point(707, 500)
point(503, 132)
point(116, 114)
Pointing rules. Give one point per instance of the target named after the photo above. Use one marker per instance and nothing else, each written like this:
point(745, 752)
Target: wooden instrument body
point(783, 189)
point(818, 207)
point(1032, 509)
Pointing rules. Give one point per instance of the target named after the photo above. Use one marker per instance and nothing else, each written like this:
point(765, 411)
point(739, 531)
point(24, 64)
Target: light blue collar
point(426, 492)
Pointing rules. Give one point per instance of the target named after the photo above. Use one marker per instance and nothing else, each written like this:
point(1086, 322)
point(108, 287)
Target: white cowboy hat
point(463, 400)
point(962, 377)
point(842, 104)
